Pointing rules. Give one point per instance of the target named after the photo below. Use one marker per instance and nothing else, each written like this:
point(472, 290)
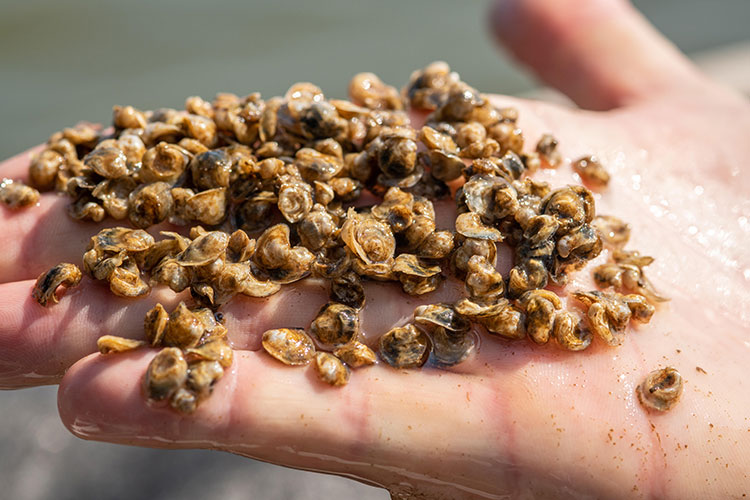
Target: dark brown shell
point(661, 389)
point(336, 324)
point(451, 348)
point(65, 274)
point(442, 315)
point(150, 204)
point(347, 289)
point(184, 328)
point(405, 347)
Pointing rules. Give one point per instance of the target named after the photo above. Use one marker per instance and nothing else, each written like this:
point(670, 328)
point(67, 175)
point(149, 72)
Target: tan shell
point(202, 376)
point(207, 207)
point(331, 369)
point(166, 373)
point(541, 307)
point(109, 162)
point(335, 324)
point(108, 344)
point(291, 346)
point(614, 232)
point(215, 350)
point(184, 400)
point(164, 162)
point(150, 204)
point(661, 389)
point(470, 225)
point(591, 171)
point(155, 324)
point(211, 169)
point(405, 347)
point(483, 281)
point(295, 200)
point(438, 245)
point(369, 239)
point(126, 281)
point(366, 89)
point(65, 274)
point(16, 194)
point(184, 329)
point(356, 354)
point(204, 249)
point(570, 332)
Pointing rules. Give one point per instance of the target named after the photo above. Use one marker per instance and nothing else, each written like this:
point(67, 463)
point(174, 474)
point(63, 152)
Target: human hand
point(517, 418)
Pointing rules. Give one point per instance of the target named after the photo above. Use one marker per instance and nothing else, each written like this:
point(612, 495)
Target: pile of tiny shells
point(272, 192)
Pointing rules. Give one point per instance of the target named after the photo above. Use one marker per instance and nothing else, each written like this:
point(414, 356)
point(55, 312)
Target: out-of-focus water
point(66, 61)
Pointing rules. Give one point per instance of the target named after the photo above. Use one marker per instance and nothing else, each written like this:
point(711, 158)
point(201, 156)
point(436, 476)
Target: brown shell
point(126, 281)
point(204, 249)
point(591, 171)
point(356, 354)
point(215, 350)
point(166, 373)
point(150, 204)
point(335, 324)
point(366, 89)
point(483, 281)
point(211, 169)
point(570, 332)
point(16, 194)
point(347, 289)
point(155, 324)
point(661, 389)
point(202, 376)
point(405, 347)
point(163, 163)
point(295, 200)
point(470, 225)
point(184, 328)
point(65, 274)
point(316, 228)
point(108, 344)
point(438, 245)
point(109, 162)
point(369, 239)
point(331, 369)
point(541, 308)
point(614, 232)
point(291, 346)
point(207, 207)
point(44, 169)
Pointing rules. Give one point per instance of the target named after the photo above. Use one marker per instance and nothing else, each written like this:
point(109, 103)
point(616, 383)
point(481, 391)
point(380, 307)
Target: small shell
point(591, 171)
point(16, 194)
point(114, 195)
point(44, 169)
point(316, 166)
point(418, 285)
point(547, 149)
point(470, 225)
point(184, 328)
point(331, 369)
point(163, 163)
point(614, 232)
point(356, 354)
point(483, 281)
point(211, 169)
point(295, 200)
point(571, 205)
point(335, 324)
point(470, 247)
point(215, 350)
point(639, 307)
point(443, 166)
point(166, 373)
point(405, 347)
point(202, 376)
point(410, 265)
point(184, 400)
point(438, 245)
point(450, 348)
point(316, 228)
point(366, 89)
point(442, 315)
point(207, 207)
point(435, 140)
point(397, 156)
point(116, 239)
point(347, 289)
point(126, 281)
point(109, 162)
point(369, 239)
point(661, 389)
point(570, 332)
point(528, 275)
point(108, 344)
point(155, 324)
point(204, 249)
point(291, 346)
point(67, 275)
point(150, 204)
point(171, 273)
point(127, 117)
point(541, 307)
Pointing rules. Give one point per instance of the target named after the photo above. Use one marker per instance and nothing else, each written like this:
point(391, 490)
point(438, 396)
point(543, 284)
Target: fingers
point(601, 53)
point(17, 167)
point(491, 435)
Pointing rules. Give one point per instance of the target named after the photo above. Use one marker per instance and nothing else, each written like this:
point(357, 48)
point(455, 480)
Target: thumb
point(601, 53)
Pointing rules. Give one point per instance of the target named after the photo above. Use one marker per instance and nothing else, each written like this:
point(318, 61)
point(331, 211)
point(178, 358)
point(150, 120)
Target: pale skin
point(517, 419)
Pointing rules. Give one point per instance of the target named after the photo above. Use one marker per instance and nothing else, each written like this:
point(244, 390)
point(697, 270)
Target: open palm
point(517, 418)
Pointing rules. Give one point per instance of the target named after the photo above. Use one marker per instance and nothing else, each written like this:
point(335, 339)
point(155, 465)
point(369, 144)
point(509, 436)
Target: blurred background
point(66, 61)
